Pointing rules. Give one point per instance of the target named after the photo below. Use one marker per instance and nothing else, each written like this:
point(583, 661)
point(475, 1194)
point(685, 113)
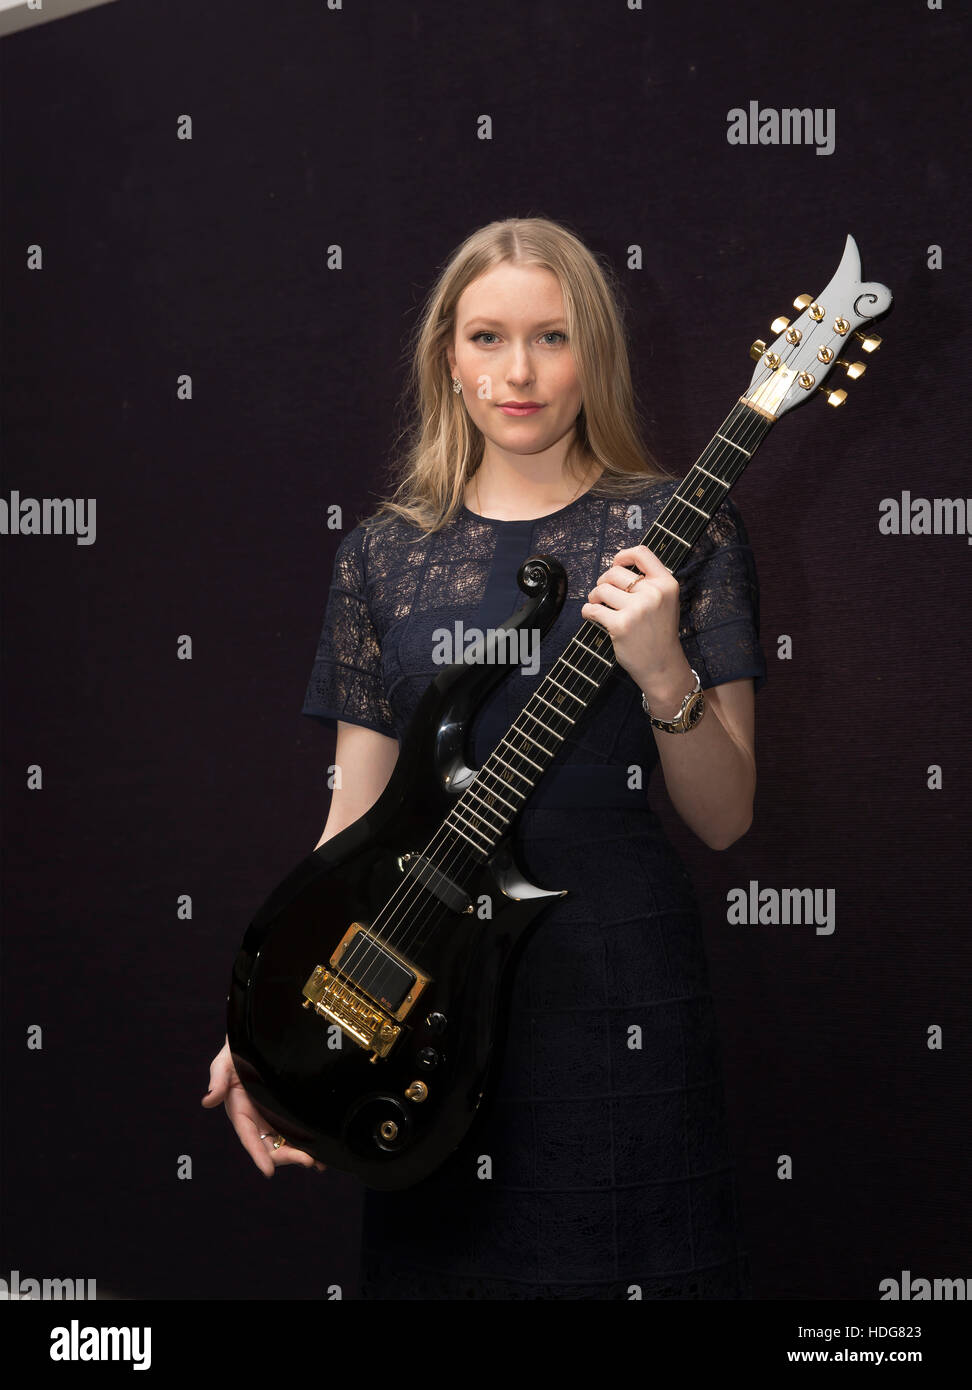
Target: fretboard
point(487, 807)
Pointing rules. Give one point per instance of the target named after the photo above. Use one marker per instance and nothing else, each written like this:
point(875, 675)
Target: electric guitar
point(367, 998)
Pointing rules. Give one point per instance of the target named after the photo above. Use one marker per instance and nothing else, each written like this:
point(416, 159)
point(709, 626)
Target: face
point(511, 345)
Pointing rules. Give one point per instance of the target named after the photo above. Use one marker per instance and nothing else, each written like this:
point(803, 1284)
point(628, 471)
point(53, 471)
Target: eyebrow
point(497, 323)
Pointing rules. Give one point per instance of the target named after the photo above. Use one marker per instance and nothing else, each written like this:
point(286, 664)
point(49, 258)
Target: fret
point(471, 791)
point(734, 444)
point(671, 533)
point(520, 754)
point(590, 651)
point(537, 696)
point(523, 734)
point(577, 669)
point(474, 828)
point(712, 458)
point(455, 828)
point(482, 816)
point(537, 720)
point(685, 502)
point(566, 691)
point(708, 474)
point(486, 770)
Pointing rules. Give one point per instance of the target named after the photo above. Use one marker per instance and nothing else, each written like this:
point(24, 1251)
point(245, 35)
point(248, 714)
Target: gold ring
point(279, 1141)
point(633, 583)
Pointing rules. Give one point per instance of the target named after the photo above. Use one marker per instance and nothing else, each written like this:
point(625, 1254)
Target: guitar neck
point(482, 814)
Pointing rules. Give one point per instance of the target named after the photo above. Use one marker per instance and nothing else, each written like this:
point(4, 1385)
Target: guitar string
point(464, 857)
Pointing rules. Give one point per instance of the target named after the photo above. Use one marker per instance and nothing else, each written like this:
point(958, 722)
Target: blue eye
point(485, 333)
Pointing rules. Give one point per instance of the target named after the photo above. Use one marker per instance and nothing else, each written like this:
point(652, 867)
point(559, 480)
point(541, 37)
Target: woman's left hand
point(643, 623)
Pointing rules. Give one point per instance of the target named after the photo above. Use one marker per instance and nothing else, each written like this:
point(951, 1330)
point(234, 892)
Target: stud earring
point(456, 385)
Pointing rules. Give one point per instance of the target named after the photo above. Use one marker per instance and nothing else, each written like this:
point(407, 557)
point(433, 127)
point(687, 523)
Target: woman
point(600, 1169)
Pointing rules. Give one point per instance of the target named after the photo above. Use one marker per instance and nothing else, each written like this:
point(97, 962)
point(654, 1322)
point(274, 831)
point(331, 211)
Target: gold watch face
point(695, 710)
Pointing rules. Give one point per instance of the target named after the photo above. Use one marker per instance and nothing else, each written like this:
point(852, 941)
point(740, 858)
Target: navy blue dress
point(601, 1170)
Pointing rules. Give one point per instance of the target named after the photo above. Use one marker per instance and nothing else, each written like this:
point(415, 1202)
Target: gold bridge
point(367, 989)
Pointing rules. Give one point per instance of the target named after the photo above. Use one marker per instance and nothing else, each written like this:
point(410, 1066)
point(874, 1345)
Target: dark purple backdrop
point(164, 777)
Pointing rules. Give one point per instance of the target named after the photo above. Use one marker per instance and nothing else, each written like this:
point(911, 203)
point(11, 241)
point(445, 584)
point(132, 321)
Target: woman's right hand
point(227, 1088)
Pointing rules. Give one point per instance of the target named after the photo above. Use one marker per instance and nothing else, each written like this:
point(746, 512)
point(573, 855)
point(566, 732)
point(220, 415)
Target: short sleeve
point(719, 627)
point(346, 678)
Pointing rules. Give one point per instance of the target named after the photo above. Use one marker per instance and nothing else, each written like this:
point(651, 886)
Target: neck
point(512, 488)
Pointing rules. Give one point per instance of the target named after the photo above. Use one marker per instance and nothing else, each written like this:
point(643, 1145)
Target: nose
point(519, 367)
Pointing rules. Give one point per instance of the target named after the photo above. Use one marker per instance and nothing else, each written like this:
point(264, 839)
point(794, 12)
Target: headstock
point(805, 351)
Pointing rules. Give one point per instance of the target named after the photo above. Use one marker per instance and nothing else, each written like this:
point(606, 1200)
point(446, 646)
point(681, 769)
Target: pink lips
point(520, 408)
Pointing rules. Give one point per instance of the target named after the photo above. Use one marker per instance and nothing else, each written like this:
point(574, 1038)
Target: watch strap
point(689, 714)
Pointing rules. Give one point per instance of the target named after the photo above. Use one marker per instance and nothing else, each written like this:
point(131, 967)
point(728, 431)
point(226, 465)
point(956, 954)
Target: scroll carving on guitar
point(372, 940)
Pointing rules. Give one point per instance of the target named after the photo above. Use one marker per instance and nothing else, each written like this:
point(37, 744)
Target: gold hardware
point(778, 325)
point(757, 349)
point(853, 369)
point(806, 380)
point(834, 397)
point(353, 1011)
point(389, 1129)
point(841, 326)
point(417, 1091)
point(373, 1024)
point(806, 301)
point(869, 341)
point(773, 360)
point(825, 354)
point(793, 335)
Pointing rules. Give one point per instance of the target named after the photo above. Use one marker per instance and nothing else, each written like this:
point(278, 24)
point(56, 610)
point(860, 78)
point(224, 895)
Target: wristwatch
point(692, 710)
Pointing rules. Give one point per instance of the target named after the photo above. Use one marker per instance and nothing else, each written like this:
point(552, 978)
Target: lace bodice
point(392, 588)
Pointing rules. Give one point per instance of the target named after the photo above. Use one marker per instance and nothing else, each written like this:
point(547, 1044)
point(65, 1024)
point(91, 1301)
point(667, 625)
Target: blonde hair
point(444, 448)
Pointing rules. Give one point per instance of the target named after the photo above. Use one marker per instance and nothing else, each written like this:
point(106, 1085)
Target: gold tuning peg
point(869, 341)
point(757, 349)
point(853, 369)
point(803, 301)
point(834, 397)
point(778, 325)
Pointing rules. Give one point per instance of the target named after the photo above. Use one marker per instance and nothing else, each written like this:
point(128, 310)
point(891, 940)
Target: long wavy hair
point(443, 447)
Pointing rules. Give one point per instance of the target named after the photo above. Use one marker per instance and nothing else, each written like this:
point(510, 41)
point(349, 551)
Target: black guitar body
point(324, 1091)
